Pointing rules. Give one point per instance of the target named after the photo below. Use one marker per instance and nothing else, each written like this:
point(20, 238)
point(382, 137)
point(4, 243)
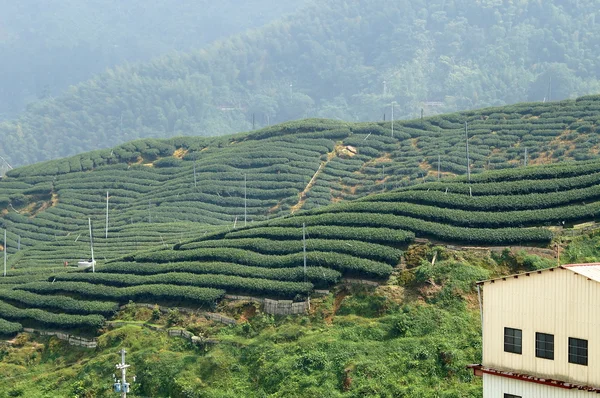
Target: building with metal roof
point(541, 333)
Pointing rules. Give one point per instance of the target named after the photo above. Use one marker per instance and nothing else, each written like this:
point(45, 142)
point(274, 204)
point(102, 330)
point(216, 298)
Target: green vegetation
point(475, 55)
point(395, 340)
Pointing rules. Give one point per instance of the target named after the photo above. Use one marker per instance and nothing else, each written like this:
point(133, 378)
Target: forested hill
point(330, 60)
point(47, 46)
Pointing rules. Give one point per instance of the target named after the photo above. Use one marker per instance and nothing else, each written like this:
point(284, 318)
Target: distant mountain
point(338, 59)
point(48, 45)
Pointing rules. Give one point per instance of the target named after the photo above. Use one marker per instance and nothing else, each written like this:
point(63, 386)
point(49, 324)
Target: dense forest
point(336, 59)
point(47, 46)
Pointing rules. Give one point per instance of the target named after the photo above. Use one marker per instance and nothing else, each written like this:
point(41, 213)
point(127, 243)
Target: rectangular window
point(544, 345)
point(578, 351)
point(512, 396)
point(513, 340)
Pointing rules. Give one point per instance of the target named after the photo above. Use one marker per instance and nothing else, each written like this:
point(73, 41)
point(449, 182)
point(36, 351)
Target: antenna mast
point(92, 246)
point(123, 388)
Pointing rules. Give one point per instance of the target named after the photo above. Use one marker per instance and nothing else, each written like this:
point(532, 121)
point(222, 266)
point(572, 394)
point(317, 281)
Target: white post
point(525, 156)
point(195, 182)
point(245, 200)
point(467, 140)
point(5, 251)
point(106, 236)
point(92, 246)
point(304, 247)
point(123, 368)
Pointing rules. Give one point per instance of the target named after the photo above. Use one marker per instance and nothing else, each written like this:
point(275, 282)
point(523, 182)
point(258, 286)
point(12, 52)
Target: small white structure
point(86, 263)
point(541, 334)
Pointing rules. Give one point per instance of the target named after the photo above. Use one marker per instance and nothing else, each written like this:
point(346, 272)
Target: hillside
point(284, 169)
point(48, 47)
point(328, 60)
point(361, 239)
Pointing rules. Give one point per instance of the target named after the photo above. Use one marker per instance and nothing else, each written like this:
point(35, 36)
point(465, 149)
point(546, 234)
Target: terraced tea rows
point(182, 201)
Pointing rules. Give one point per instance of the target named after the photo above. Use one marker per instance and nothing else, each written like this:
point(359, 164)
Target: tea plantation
point(191, 219)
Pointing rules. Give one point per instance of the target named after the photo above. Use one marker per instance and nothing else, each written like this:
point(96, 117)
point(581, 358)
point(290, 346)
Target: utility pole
point(393, 103)
point(525, 157)
point(439, 167)
point(304, 247)
point(92, 246)
point(245, 200)
point(467, 141)
point(123, 387)
point(5, 252)
point(106, 235)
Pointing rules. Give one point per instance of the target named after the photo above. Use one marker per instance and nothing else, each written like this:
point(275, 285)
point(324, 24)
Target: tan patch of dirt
point(343, 151)
point(543, 158)
point(424, 165)
point(394, 293)
point(274, 208)
point(433, 173)
point(336, 306)
point(248, 313)
point(413, 142)
point(472, 301)
point(148, 164)
point(4, 212)
point(383, 159)
point(180, 153)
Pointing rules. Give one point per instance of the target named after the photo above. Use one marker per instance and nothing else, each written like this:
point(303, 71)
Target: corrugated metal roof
point(590, 271)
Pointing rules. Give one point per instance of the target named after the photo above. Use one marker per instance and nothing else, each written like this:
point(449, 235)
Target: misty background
point(82, 75)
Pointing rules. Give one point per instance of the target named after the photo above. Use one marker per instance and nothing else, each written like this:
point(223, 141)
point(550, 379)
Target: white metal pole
point(92, 246)
point(5, 252)
point(195, 182)
point(304, 247)
point(468, 161)
point(106, 237)
point(245, 200)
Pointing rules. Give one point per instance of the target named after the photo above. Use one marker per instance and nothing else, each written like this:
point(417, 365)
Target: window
point(544, 345)
point(578, 351)
point(512, 396)
point(513, 340)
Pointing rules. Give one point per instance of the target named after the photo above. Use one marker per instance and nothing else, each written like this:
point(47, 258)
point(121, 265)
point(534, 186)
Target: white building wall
point(558, 302)
point(496, 387)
